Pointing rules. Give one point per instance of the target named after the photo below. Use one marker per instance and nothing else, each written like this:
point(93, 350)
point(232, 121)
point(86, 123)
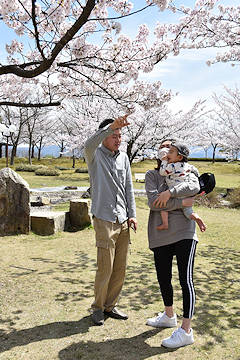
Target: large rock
point(14, 203)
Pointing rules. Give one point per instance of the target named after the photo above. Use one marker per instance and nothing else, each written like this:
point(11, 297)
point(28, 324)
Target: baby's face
point(173, 155)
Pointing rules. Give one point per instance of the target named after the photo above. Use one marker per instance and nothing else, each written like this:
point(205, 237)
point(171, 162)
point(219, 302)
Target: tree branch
point(46, 63)
point(27, 105)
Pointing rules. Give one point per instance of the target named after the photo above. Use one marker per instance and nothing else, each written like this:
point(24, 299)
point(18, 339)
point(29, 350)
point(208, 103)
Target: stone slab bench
point(139, 176)
point(49, 222)
point(80, 212)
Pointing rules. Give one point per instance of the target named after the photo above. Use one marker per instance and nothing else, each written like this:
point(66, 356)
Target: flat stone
point(80, 212)
point(49, 222)
point(39, 200)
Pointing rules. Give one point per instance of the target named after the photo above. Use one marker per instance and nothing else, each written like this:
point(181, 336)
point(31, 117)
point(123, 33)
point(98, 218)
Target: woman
point(179, 239)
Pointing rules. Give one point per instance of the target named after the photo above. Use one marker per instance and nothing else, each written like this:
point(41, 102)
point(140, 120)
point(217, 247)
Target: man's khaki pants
point(112, 241)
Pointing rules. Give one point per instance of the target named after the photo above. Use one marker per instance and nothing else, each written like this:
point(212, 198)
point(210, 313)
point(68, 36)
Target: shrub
point(45, 171)
point(207, 159)
point(81, 170)
point(63, 168)
point(28, 168)
point(234, 198)
point(210, 200)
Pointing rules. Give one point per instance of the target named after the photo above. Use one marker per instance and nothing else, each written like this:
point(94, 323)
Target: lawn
point(227, 174)
point(45, 307)
point(47, 287)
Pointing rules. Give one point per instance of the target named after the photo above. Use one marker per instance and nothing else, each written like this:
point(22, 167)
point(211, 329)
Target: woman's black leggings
point(185, 252)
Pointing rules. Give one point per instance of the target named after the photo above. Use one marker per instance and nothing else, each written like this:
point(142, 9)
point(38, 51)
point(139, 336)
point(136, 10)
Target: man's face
point(113, 141)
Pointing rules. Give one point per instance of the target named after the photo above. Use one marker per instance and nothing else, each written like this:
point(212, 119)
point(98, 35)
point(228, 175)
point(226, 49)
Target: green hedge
point(207, 159)
point(28, 168)
point(81, 170)
point(45, 171)
point(63, 168)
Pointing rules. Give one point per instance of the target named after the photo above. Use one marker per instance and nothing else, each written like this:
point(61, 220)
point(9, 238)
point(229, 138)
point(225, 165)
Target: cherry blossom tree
point(227, 114)
point(208, 25)
point(79, 119)
point(60, 31)
point(77, 47)
point(146, 130)
point(149, 127)
point(36, 131)
point(220, 126)
point(209, 135)
point(14, 116)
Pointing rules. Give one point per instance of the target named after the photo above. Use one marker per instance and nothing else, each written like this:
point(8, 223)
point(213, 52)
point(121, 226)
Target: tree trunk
point(62, 147)
point(39, 154)
point(13, 154)
point(29, 155)
point(74, 160)
point(32, 152)
point(214, 153)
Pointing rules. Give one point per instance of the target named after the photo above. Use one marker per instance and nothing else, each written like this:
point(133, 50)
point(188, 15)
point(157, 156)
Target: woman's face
point(165, 144)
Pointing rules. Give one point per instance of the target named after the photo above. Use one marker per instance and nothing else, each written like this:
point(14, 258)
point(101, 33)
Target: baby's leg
point(199, 221)
point(164, 215)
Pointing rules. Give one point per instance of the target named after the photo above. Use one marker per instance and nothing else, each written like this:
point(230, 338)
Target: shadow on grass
point(216, 278)
point(72, 273)
point(134, 348)
point(217, 289)
point(54, 330)
point(122, 348)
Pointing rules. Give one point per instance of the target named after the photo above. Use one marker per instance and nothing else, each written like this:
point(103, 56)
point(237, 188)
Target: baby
point(176, 169)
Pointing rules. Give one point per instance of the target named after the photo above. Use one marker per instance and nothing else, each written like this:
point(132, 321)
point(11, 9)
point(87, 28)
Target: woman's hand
point(188, 202)
point(162, 199)
point(164, 157)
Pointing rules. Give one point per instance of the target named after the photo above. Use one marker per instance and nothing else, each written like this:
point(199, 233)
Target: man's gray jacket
point(110, 180)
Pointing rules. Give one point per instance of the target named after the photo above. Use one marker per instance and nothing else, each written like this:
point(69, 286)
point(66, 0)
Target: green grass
point(45, 313)
point(227, 174)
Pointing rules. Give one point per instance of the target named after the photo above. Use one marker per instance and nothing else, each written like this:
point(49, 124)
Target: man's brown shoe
point(116, 314)
point(98, 317)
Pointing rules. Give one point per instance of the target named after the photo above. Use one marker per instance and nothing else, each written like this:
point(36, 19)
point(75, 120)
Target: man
point(114, 211)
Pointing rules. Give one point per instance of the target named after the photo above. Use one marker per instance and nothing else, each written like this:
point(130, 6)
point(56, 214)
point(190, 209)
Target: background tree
point(81, 119)
point(209, 135)
point(16, 117)
point(227, 114)
point(149, 127)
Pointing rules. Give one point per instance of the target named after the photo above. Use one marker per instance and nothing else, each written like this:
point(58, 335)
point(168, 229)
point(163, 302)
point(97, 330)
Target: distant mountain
point(54, 151)
point(51, 150)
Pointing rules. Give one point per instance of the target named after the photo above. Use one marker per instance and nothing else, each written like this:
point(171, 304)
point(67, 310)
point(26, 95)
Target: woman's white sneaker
point(178, 338)
point(162, 320)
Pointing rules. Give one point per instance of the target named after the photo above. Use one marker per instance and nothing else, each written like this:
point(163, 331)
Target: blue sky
point(187, 73)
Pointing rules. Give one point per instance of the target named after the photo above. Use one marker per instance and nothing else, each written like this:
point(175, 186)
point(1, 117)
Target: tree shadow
point(55, 330)
point(72, 273)
point(217, 290)
point(134, 348)
point(216, 279)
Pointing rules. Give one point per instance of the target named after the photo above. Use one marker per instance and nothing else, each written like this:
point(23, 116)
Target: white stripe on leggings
point(190, 280)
